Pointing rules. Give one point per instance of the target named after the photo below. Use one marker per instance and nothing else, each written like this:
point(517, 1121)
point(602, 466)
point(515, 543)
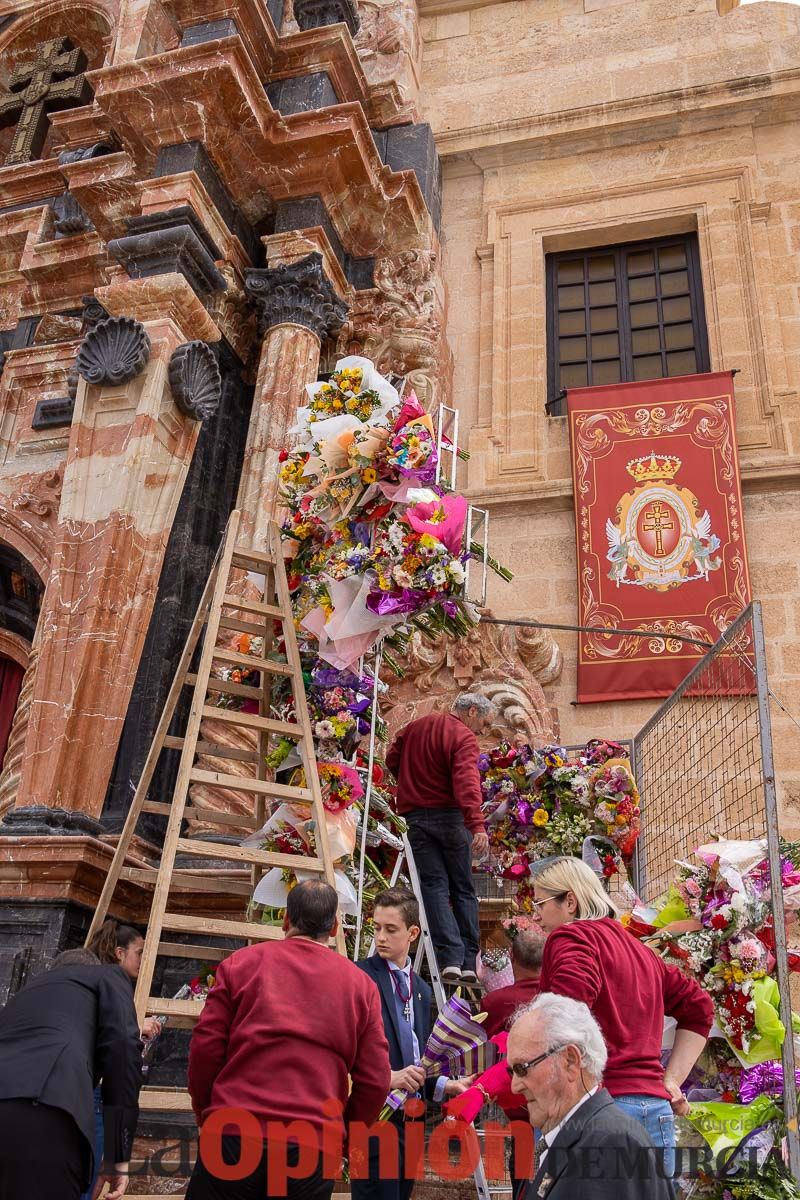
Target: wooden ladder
point(220, 610)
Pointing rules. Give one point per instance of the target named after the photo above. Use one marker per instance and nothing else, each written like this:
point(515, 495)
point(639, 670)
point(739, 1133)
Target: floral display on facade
point(375, 549)
point(543, 802)
point(716, 924)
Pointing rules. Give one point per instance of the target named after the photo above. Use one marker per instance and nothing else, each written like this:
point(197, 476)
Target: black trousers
point(42, 1153)
point(383, 1184)
point(205, 1185)
point(442, 847)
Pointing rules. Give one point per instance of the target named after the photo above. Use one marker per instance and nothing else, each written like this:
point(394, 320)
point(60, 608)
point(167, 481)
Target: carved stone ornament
point(507, 665)
point(297, 293)
point(70, 219)
point(195, 380)
point(114, 352)
point(310, 14)
point(43, 495)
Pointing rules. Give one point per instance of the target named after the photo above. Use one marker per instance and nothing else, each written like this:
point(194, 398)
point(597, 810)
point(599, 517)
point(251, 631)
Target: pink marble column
point(297, 307)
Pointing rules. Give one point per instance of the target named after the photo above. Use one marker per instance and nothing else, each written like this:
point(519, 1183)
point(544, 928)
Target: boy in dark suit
point(406, 1003)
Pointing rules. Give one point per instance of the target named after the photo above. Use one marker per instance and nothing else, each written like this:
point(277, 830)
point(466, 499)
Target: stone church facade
point(203, 204)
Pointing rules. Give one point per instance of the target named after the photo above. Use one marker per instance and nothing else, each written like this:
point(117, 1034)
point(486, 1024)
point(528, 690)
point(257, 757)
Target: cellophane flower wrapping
point(715, 923)
point(456, 1034)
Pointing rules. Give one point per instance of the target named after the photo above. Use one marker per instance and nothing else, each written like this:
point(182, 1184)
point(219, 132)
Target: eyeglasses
point(521, 1069)
point(537, 904)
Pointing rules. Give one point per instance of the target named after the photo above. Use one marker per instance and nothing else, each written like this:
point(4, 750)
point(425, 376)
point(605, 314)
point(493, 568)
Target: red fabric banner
point(659, 528)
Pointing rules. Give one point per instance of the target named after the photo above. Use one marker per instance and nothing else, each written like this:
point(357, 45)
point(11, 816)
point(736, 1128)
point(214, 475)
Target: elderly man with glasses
point(588, 1147)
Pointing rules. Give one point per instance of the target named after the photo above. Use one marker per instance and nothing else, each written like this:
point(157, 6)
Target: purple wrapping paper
point(764, 1079)
point(386, 603)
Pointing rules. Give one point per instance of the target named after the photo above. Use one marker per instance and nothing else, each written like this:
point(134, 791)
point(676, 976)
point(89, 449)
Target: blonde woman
point(589, 956)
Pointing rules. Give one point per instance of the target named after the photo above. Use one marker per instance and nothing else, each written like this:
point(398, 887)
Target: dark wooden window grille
point(623, 313)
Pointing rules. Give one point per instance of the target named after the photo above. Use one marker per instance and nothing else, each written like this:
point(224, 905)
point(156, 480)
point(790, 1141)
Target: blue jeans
point(98, 1140)
point(658, 1119)
point(442, 848)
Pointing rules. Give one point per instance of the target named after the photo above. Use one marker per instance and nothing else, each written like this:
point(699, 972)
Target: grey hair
point(468, 700)
point(569, 1022)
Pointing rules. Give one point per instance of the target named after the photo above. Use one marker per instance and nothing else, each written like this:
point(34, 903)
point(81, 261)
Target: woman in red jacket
point(589, 956)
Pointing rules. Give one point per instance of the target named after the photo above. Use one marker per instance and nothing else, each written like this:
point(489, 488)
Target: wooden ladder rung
point(253, 606)
point(228, 688)
point(264, 787)
point(218, 884)
point(211, 816)
point(195, 953)
point(241, 626)
point(269, 665)
point(252, 560)
point(160, 1006)
point(249, 854)
point(179, 923)
point(215, 750)
point(233, 716)
point(161, 1100)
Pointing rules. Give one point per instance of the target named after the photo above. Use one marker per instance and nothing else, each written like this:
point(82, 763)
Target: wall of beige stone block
point(568, 123)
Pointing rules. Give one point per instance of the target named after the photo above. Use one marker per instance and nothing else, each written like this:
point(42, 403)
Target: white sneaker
point(469, 977)
point(451, 975)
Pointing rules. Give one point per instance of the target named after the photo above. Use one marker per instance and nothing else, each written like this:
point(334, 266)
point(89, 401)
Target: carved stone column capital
point(296, 293)
point(310, 14)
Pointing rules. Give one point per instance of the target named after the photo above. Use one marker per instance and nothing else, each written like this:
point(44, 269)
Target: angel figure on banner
point(617, 553)
point(704, 543)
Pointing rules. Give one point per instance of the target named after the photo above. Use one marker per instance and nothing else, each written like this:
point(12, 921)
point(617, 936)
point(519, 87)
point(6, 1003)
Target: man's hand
point(410, 1079)
point(454, 1087)
point(151, 1028)
point(680, 1105)
point(117, 1180)
point(480, 845)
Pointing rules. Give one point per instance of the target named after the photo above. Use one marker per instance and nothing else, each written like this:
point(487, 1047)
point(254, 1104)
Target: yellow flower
point(540, 817)
point(369, 475)
point(428, 541)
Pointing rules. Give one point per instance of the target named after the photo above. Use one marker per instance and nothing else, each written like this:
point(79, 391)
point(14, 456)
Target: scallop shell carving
point(114, 352)
point(195, 380)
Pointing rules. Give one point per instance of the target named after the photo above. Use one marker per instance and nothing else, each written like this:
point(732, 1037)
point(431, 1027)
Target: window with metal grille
point(623, 313)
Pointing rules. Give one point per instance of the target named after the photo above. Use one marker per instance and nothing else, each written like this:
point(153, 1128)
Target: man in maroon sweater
point(527, 950)
point(292, 1037)
point(435, 763)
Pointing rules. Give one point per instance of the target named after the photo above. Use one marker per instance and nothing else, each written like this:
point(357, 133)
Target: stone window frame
point(606, 265)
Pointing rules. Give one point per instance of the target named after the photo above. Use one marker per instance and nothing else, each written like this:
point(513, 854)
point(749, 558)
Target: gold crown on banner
point(653, 466)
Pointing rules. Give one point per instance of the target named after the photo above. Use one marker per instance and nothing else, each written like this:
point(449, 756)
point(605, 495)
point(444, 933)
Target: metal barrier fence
point(703, 764)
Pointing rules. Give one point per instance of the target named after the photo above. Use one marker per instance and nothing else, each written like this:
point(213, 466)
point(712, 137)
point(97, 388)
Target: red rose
point(282, 457)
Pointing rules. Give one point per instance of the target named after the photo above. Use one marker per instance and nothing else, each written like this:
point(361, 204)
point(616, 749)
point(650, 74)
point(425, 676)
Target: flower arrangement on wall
point(375, 550)
point(543, 802)
point(716, 923)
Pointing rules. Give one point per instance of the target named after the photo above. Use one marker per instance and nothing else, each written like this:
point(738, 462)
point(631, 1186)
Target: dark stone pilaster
point(175, 240)
point(302, 93)
point(209, 31)
point(32, 933)
point(208, 497)
point(413, 148)
point(309, 211)
point(192, 156)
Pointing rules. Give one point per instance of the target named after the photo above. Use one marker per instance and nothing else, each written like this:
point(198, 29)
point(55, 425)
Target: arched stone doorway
point(21, 592)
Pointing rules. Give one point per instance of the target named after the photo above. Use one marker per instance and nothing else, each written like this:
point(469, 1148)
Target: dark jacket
point(378, 969)
point(64, 1032)
point(435, 763)
point(601, 1153)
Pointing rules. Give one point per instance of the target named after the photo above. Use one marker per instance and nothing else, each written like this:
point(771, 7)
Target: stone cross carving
point(53, 80)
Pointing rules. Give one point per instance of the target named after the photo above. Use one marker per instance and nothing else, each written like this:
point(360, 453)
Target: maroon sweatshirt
point(629, 990)
point(283, 1027)
point(502, 1002)
point(435, 763)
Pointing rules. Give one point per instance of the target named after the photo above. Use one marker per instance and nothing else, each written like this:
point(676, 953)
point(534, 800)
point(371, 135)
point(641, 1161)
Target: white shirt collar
point(404, 970)
point(551, 1136)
